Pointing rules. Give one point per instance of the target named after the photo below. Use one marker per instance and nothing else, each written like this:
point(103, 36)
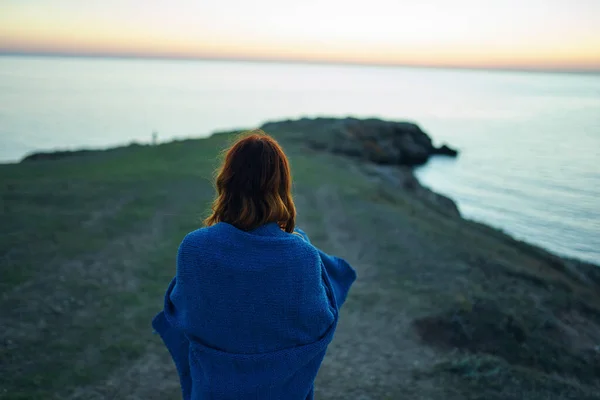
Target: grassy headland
point(444, 308)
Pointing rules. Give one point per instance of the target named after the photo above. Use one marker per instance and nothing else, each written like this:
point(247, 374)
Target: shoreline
point(409, 178)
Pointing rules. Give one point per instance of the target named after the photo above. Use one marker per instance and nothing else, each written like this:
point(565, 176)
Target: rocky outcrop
point(390, 147)
point(382, 142)
point(444, 150)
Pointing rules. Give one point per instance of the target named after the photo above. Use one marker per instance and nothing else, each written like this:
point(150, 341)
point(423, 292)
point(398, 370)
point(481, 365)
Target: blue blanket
point(249, 315)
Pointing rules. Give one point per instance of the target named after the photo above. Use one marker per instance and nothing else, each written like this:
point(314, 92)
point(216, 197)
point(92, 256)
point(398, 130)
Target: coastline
point(444, 307)
point(405, 177)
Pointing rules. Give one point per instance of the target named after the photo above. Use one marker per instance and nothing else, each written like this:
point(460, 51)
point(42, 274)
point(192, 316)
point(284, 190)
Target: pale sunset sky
point(529, 34)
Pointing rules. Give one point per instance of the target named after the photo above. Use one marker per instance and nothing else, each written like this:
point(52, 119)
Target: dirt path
point(374, 351)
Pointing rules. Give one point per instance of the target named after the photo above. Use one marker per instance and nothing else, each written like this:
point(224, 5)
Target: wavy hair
point(254, 185)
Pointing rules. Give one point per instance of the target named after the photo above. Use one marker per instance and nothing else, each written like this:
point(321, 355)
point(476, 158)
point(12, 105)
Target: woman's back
point(253, 292)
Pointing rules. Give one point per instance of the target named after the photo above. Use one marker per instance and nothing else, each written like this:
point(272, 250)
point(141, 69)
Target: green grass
point(76, 233)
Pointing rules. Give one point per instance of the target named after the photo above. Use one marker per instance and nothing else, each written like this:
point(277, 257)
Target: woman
point(253, 305)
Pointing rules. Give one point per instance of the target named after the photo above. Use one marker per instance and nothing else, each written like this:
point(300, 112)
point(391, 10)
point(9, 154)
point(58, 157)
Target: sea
point(529, 142)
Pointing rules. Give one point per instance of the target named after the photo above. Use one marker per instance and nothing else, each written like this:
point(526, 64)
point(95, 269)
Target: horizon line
point(159, 57)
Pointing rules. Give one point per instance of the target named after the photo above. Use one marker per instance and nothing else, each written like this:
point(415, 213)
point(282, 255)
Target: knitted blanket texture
point(249, 315)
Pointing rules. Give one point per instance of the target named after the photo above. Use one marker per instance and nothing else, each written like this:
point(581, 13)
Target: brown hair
point(254, 185)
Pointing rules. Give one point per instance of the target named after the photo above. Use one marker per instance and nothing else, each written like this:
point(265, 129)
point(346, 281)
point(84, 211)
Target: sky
point(522, 34)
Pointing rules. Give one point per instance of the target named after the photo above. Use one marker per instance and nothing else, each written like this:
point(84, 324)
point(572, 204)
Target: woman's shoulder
point(223, 235)
point(230, 249)
point(201, 236)
point(300, 233)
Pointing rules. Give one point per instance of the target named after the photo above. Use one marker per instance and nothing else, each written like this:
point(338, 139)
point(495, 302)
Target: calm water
point(530, 142)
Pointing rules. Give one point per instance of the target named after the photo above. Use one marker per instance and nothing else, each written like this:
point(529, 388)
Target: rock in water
point(382, 142)
point(446, 151)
